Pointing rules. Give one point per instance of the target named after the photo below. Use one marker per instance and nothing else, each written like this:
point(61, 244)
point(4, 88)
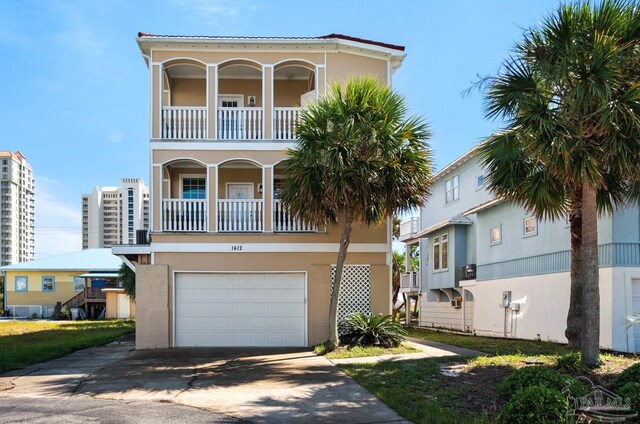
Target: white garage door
point(240, 310)
point(635, 302)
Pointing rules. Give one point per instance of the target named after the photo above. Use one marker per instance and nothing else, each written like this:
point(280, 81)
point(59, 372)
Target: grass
point(491, 345)
point(359, 352)
point(24, 343)
point(419, 391)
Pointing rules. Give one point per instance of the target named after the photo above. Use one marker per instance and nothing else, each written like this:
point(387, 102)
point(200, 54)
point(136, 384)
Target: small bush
point(570, 362)
point(65, 313)
point(536, 404)
point(34, 316)
point(359, 329)
point(630, 375)
point(631, 391)
point(538, 376)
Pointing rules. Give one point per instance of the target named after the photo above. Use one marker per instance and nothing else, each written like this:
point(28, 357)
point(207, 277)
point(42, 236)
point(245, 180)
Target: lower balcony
point(233, 216)
point(410, 282)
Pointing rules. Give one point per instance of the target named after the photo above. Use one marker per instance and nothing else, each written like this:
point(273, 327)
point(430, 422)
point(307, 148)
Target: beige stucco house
point(226, 264)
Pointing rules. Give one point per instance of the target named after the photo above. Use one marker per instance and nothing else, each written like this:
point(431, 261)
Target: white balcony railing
point(240, 123)
point(184, 215)
point(284, 221)
point(240, 215)
point(408, 228)
point(184, 122)
point(285, 122)
point(410, 281)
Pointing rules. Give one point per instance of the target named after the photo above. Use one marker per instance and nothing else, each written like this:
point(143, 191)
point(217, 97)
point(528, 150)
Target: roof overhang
point(456, 220)
point(331, 42)
point(483, 206)
point(100, 275)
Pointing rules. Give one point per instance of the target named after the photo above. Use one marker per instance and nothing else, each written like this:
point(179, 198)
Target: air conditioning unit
point(456, 302)
point(468, 272)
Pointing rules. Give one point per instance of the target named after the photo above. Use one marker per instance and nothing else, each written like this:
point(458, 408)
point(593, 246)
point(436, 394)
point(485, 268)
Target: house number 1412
point(236, 247)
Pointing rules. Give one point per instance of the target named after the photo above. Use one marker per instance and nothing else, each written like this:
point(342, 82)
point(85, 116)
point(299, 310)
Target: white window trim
point(203, 176)
point(484, 181)
point(499, 241)
point(524, 227)
point(232, 97)
point(452, 190)
point(253, 190)
point(433, 244)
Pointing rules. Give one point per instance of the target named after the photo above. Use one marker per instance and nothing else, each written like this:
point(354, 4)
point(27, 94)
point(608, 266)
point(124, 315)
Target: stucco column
point(212, 179)
point(321, 80)
point(156, 197)
point(152, 306)
point(212, 101)
point(267, 195)
point(267, 102)
point(380, 293)
point(156, 100)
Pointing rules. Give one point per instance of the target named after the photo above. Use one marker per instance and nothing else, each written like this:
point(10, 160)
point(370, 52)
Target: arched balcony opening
point(240, 200)
point(240, 104)
point(185, 196)
point(184, 111)
point(294, 86)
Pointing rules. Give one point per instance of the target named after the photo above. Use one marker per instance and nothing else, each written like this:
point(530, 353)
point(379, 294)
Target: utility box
point(506, 299)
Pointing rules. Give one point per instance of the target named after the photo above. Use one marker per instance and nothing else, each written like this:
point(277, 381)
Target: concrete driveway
point(257, 386)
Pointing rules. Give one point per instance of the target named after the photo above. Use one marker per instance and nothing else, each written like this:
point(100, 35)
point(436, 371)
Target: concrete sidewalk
point(428, 350)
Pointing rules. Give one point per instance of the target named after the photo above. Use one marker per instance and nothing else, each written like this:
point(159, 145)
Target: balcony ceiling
point(186, 71)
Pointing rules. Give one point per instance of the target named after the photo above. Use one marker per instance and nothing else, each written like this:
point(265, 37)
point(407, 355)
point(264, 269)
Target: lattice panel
point(355, 290)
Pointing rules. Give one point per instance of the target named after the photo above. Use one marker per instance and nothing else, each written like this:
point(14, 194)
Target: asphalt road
point(83, 409)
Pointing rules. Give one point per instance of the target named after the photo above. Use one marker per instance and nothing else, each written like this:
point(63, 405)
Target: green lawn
point(24, 343)
point(359, 352)
point(419, 391)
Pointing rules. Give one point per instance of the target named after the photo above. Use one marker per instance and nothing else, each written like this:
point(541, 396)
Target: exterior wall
point(111, 305)
point(35, 296)
point(17, 209)
point(246, 87)
point(544, 303)
point(152, 294)
point(188, 92)
point(341, 66)
point(287, 92)
point(316, 265)
point(239, 175)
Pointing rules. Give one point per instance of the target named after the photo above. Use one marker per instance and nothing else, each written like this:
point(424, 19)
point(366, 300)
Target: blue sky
point(74, 99)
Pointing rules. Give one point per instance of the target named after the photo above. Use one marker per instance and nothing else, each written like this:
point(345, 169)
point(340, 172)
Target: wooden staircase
point(91, 299)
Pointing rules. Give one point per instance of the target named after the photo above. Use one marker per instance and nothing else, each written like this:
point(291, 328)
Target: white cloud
point(58, 221)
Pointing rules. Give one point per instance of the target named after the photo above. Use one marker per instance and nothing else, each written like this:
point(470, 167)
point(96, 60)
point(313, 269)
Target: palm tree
point(358, 159)
point(127, 278)
point(570, 95)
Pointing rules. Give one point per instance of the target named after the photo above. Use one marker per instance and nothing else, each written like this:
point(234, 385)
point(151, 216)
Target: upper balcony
point(408, 228)
point(238, 100)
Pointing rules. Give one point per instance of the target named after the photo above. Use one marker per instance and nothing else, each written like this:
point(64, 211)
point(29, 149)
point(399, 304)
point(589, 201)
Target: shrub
point(630, 375)
point(536, 404)
point(570, 362)
point(65, 313)
point(359, 329)
point(631, 391)
point(538, 376)
point(34, 316)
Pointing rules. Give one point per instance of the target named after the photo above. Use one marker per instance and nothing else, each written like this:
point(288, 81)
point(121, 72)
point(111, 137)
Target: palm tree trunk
point(574, 317)
point(590, 344)
point(334, 340)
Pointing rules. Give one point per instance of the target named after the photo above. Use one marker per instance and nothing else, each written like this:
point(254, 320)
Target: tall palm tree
point(358, 159)
point(570, 95)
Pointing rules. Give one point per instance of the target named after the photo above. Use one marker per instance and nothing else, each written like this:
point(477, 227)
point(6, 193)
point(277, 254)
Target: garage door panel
point(240, 309)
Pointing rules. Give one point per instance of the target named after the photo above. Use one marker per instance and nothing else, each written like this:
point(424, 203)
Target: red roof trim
point(323, 37)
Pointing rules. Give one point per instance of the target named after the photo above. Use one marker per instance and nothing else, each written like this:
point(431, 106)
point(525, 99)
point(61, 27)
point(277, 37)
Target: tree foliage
point(570, 98)
point(359, 159)
point(127, 278)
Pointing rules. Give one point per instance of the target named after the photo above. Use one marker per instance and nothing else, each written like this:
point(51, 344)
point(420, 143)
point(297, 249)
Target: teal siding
point(614, 254)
